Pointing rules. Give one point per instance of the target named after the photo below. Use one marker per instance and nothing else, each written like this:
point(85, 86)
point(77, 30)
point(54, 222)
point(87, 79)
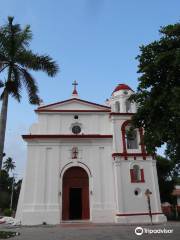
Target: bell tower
point(121, 110)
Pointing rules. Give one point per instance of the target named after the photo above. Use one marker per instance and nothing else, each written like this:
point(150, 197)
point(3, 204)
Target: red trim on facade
point(121, 114)
point(136, 214)
point(132, 175)
point(74, 99)
point(130, 155)
point(123, 129)
point(133, 179)
point(70, 111)
point(142, 175)
point(143, 150)
point(36, 136)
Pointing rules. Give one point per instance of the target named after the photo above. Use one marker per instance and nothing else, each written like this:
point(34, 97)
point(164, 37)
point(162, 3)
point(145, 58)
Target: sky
point(94, 42)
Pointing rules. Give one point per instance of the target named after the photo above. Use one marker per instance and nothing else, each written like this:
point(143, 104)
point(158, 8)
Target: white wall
point(53, 123)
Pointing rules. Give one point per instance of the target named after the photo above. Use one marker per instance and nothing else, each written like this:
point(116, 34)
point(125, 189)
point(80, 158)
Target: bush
point(8, 212)
point(4, 234)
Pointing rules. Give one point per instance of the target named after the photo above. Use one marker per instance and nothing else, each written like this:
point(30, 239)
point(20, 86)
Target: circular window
point(137, 191)
point(76, 129)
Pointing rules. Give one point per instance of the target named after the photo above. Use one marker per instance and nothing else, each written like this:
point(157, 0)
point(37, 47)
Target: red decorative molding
point(123, 129)
point(132, 175)
point(130, 155)
point(142, 175)
point(121, 114)
point(70, 111)
point(133, 179)
point(37, 136)
point(137, 214)
point(143, 150)
point(74, 99)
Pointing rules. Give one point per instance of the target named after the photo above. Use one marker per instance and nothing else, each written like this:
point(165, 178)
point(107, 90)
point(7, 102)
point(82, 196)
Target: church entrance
point(75, 196)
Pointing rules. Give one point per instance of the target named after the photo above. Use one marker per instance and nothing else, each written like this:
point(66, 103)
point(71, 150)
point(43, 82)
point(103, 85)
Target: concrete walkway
point(88, 231)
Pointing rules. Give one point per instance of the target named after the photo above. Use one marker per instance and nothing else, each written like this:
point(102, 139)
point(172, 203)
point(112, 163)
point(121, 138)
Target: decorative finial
point(75, 93)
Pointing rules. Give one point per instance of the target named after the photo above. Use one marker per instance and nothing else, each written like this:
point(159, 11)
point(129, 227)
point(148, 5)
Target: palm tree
point(9, 165)
point(16, 59)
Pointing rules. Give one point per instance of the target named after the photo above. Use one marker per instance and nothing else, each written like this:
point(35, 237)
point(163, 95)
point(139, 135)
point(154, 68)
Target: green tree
point(166, 180)
point(9, 165)
point(16, 62)
point(158, 93)
point(6, 190)
point(5, 186)
point(17, 188)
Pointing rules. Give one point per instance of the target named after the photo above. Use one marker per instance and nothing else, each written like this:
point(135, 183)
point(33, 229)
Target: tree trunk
point(3, 119)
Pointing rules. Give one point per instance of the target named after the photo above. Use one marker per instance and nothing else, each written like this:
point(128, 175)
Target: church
point(86, 163)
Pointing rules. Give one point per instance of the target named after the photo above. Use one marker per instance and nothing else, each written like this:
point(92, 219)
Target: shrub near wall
point(8, 212)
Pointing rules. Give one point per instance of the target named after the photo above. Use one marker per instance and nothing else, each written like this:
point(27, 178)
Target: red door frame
point(75, 177)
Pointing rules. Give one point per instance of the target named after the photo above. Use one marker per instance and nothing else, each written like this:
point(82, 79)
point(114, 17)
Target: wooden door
point(75, 194)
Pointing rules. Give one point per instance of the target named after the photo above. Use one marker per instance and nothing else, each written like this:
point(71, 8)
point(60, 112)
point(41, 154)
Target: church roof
point(122, 86)
point(61, 106)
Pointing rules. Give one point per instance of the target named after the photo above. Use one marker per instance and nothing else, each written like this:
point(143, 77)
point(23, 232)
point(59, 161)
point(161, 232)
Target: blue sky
point(93, 41)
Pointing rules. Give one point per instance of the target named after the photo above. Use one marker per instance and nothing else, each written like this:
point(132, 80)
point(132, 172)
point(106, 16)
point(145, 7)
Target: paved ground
point(93, 231)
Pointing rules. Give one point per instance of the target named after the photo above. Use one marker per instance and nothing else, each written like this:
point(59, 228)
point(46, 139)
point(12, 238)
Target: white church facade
point(84, 164)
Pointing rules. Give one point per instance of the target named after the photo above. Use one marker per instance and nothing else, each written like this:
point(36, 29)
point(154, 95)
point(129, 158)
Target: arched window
point(131, 138)
point(137, 174)
point(117, 106)
point(128, 106)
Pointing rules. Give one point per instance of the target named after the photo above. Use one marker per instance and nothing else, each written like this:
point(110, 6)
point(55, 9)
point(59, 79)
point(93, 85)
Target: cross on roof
point(75, 84)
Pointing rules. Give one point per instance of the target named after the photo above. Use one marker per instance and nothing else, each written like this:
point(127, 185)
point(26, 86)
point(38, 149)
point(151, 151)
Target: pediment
point(72, 105)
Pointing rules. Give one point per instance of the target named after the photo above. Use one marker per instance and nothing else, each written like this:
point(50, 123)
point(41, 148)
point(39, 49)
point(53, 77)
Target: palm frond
point(3, 67)
point(15, 55)
point(31, 86)
point(3, 58)
point(14, 39)
point(14, 86)
point(37, 62)
point(1, 84)
point(16, 78)
point(24, 37)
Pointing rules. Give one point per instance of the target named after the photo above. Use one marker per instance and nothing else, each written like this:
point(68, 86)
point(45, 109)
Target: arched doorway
point(75, 197)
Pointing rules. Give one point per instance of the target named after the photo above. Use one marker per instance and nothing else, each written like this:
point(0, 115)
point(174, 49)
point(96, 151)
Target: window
point(131, 139)
point(117, 106)
point(76, 129)
point(128, 106)
point(137, 191)
point(137, 174)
